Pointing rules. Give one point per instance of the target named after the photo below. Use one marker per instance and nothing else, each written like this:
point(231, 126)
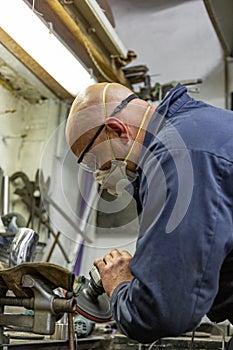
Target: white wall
point(24, 132)
point(117, 227)
point(32, 138)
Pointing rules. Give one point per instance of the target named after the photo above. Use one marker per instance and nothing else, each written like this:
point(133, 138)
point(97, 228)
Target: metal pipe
point(1, 327)
point(5, 195)
point(71, 332)
point(227, 62)
point(59, 304)
point(64, 305)
point(1, 190)
point(65, 216)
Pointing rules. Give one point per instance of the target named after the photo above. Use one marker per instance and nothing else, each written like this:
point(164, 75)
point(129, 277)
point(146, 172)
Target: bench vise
point(46, 306)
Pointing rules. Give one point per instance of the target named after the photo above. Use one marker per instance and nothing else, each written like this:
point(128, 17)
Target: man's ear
point(118, 127)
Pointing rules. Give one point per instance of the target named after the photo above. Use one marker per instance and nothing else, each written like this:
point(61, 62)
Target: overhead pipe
point(6, 195)
point(228, 62)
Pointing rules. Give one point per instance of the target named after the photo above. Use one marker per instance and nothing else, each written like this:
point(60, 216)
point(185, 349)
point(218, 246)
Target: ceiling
point(82, 30)
point(165, 41)
point(176, 39)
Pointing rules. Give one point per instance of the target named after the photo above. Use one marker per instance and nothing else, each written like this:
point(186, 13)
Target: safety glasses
point(88, 146)
point(88, 161)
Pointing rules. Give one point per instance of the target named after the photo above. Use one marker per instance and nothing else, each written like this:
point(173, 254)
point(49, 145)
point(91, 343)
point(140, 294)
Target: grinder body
point(92, 301)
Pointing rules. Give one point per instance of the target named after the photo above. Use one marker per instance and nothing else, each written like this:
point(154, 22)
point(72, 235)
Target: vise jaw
point(47, 305)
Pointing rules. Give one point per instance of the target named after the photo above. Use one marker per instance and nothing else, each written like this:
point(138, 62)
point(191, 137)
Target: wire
point(190, 347)
point(50, 24)
point(153, 344)
point(34, 10)
point(105, 76)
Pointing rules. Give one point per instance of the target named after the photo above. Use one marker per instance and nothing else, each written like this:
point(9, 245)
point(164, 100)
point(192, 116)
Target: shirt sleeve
point(185, 235)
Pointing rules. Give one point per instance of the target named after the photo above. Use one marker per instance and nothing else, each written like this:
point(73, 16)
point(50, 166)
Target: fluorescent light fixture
point(24, 26)
point(98, 14)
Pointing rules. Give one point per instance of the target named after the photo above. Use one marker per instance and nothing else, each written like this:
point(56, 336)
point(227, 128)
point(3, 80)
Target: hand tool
point(45, 304)
point(92, 301)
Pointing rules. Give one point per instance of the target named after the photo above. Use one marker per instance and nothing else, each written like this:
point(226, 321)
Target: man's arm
point(175, 274)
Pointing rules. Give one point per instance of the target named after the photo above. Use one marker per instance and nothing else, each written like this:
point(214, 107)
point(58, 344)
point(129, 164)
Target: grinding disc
point(97, 310)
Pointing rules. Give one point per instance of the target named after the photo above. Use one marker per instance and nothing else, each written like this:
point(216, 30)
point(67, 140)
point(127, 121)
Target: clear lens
point(89, 163)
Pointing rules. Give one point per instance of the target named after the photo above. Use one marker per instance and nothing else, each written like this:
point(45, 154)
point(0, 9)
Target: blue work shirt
point(183, 264)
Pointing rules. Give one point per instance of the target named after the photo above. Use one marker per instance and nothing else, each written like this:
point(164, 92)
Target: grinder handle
point(95, 280)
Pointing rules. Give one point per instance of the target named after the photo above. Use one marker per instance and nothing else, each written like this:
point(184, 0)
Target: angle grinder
point(92, 301)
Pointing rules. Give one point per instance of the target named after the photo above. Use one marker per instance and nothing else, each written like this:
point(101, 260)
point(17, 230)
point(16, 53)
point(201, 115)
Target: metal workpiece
point(45, 304)
point(6, 194)
point(23, 246)
point(34, 195)
point(38, 293)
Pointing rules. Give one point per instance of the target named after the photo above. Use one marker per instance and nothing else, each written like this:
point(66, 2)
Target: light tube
point(98, 13)
point(24, 26)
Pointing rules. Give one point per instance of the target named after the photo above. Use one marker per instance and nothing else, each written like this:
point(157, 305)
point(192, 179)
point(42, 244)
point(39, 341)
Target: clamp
point(45, 304)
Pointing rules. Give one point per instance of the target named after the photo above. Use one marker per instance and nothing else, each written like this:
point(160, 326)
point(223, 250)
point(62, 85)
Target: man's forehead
point(81, 122)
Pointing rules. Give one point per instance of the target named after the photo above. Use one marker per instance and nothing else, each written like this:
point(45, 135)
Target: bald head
point(94, 107)
point(87, 111)
point(93, 96)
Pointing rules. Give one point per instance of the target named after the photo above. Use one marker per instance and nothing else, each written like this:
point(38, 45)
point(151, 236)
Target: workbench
point(120, 342)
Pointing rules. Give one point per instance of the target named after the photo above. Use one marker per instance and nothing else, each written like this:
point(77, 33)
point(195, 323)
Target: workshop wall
point(24, 132)
point(32, 137)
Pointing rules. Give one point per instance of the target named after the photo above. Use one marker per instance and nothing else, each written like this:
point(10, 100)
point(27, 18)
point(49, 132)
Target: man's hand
point(114, 269)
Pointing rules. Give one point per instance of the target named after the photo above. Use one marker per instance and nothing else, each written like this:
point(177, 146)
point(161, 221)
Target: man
point(179, 160)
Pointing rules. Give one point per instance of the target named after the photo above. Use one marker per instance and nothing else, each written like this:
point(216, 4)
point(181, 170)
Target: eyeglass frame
point(88, 146)
point(116, 110)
